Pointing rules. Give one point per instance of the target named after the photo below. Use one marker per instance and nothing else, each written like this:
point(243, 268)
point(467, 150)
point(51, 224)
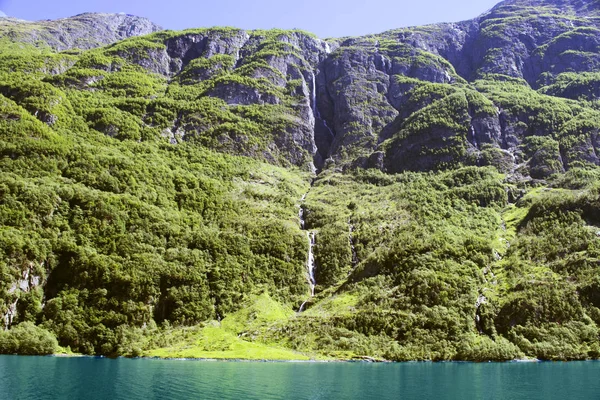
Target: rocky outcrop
point(532, 40)
point(244, 69)
point(84, 31)
point(27, 282)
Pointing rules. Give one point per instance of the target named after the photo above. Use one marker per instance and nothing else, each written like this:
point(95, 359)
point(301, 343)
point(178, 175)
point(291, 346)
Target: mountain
point(427, 193)
point(83, 31)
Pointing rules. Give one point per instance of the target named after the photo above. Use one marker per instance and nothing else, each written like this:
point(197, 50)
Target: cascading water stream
point(310, 263)
point(474, 136)
point(313, 96)
point(310, 260)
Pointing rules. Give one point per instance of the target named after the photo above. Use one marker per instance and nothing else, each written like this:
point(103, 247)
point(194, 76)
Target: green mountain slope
point(165, 194)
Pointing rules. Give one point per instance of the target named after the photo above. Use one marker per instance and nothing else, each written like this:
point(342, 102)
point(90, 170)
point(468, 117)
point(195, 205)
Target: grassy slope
point(227, 339)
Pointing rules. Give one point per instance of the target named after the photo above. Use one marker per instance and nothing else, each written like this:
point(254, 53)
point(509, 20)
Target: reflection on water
point(93, 378)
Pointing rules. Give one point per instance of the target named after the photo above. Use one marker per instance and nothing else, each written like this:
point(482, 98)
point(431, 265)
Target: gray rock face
point(238, 94)
point(532, 40)
point(583, 151)
point(27, 282)
point(243, 69)
point(185, 48)
point(84, 31)
point(355, 103)
point(521, 38)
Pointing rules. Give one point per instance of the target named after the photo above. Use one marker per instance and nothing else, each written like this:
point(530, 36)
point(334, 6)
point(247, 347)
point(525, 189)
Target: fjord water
point(94, 378)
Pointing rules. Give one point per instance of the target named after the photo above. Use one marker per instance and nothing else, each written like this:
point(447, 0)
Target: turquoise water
point(92, 378)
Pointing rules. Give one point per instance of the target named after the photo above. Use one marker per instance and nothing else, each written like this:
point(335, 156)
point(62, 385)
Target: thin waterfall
point(302, 306)
point(473, 135)
point(310, 263)
point(313, 96)
point(310, 259)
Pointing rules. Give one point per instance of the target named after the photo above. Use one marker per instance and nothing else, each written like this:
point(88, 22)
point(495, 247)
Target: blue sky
point(326, 18)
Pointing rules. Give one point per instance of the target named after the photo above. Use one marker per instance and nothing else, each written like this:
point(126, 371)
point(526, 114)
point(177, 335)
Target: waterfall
point(473, 135)
point(480, 300)
point(310, 263)
point(302, 306)
point(310, 259)
point(327, 127)
point(313, 96)
point(310, 266)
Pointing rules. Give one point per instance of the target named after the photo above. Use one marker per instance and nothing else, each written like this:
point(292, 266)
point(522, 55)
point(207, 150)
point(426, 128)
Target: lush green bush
point(27, 339)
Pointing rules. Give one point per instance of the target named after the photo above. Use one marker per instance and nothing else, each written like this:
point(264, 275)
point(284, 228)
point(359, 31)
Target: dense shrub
point(27, 339)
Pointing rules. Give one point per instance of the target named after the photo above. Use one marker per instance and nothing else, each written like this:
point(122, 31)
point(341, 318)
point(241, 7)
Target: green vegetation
point(421, 243)
point(119, 228)
point(584, 86)
point(234, 337)
point(27, 339)
point(150, 192)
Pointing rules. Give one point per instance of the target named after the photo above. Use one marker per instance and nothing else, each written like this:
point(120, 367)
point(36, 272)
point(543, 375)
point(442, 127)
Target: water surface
point(94, 378)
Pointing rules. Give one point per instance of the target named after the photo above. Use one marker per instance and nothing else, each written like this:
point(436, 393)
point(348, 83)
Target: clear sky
point(326, 18)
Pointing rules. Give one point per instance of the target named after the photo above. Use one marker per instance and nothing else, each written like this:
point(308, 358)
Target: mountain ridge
point(513, 60)
point(85, 30)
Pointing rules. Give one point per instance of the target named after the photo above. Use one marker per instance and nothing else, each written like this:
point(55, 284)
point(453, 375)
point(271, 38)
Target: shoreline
point(310, 361)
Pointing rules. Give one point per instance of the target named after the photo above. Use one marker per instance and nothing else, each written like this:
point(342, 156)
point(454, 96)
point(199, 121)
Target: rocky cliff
point(410, 99)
